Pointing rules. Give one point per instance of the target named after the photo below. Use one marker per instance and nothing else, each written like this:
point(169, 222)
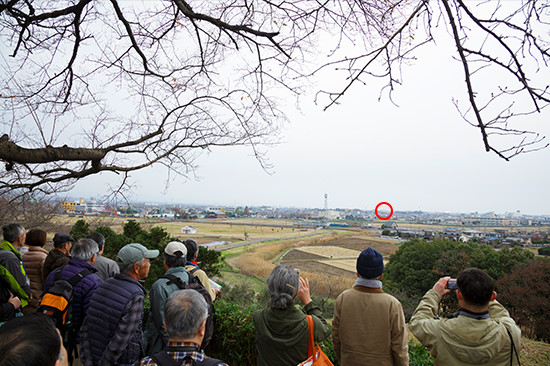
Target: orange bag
point(316, 357)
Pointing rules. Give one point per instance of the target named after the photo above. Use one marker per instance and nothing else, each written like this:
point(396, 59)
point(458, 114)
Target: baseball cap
point(135, 252)
point(176, 249)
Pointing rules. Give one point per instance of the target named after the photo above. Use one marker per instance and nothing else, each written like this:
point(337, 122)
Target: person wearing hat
point(155, 336)
point(369, 325)
point(59, 255)
point(112, 332)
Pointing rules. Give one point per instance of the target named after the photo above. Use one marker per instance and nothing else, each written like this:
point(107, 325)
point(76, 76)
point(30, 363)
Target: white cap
point(176, 249)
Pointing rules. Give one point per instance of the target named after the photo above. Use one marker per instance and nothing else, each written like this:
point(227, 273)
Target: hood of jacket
point(473, 341)
point(285, 326)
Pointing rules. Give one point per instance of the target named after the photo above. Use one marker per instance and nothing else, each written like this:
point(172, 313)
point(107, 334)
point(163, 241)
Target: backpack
point(56, 302)
point(195, 284)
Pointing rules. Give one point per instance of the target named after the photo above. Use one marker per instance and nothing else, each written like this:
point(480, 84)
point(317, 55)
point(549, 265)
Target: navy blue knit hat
point(370, 263)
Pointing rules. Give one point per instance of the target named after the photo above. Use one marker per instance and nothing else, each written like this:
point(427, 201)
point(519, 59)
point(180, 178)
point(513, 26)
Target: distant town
point(512, 228)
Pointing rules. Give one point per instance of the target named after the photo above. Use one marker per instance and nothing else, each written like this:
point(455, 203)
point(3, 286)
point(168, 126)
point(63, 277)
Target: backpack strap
point(175, 279)
point(163, 359)
point(57, 274)
point(80, 275)
point(193, 278)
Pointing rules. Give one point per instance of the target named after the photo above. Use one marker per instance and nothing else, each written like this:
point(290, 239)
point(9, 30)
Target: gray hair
point(283, 284)
point(184, 312)
point(127, 268)
point(84, 249)
point(98, 238)
point(12, 231)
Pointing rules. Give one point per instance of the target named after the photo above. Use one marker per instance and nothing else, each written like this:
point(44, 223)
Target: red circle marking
point(376, 211)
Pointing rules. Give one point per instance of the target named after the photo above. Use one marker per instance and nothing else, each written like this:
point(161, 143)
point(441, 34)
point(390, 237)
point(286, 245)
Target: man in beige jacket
point(369, 325)
point(483, 333)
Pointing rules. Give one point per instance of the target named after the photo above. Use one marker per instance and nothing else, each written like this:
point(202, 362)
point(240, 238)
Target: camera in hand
point(451, 284)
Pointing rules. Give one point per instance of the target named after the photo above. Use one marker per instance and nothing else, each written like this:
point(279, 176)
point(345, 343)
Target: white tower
point(326, 201)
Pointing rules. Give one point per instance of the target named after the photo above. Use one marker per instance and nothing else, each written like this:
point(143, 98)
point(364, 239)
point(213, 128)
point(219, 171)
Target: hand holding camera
point(441, 285)
point(451, 284)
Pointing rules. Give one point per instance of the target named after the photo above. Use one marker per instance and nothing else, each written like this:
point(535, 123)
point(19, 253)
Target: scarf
point(368, 283)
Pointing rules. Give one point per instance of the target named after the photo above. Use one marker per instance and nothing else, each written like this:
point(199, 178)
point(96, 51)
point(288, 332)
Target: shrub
point(234, 339)
point(210, 261)
point(544, 251)
point(419, 355)
point(525, 293)
point(418, 264)
point(80, 229)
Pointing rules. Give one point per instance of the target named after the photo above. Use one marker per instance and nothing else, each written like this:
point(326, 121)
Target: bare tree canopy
point(92, 86)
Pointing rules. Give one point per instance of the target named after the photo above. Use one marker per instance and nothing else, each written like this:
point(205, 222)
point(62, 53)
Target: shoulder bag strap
point(514, 350)
point(311, 341)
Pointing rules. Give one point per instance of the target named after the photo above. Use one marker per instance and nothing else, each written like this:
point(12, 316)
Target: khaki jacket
point(369, 328)
point(463, 341)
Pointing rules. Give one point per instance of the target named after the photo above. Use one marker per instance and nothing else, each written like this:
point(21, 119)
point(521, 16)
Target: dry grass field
point(230, 230)
point(312, 256)
point(319, 257)
point(330, 251)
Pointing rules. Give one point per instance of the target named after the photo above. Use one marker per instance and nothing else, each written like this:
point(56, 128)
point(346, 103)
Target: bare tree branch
point(118, 86)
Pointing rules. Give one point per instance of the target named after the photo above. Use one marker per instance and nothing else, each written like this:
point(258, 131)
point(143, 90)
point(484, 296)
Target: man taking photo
point(483, 333)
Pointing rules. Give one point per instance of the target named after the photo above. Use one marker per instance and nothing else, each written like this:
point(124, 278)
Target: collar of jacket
point(126, 277)
point(368, 289)
point(473, 315)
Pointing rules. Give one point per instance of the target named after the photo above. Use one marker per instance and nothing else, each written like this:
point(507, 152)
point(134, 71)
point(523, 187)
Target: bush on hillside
point(80, 229)
point(418, 264)
point(210, 261)
point(525, 293)
point(544, 251)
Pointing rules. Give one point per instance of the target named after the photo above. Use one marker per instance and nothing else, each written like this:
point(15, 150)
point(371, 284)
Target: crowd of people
point(107, 311)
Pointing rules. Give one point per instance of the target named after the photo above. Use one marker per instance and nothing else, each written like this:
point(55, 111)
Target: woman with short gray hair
point(282, 328)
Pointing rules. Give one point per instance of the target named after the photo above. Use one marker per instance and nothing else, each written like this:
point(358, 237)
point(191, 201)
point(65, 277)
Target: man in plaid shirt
point(185, 314)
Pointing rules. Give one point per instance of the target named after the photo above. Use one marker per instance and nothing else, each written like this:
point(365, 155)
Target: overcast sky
point(420, 155)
